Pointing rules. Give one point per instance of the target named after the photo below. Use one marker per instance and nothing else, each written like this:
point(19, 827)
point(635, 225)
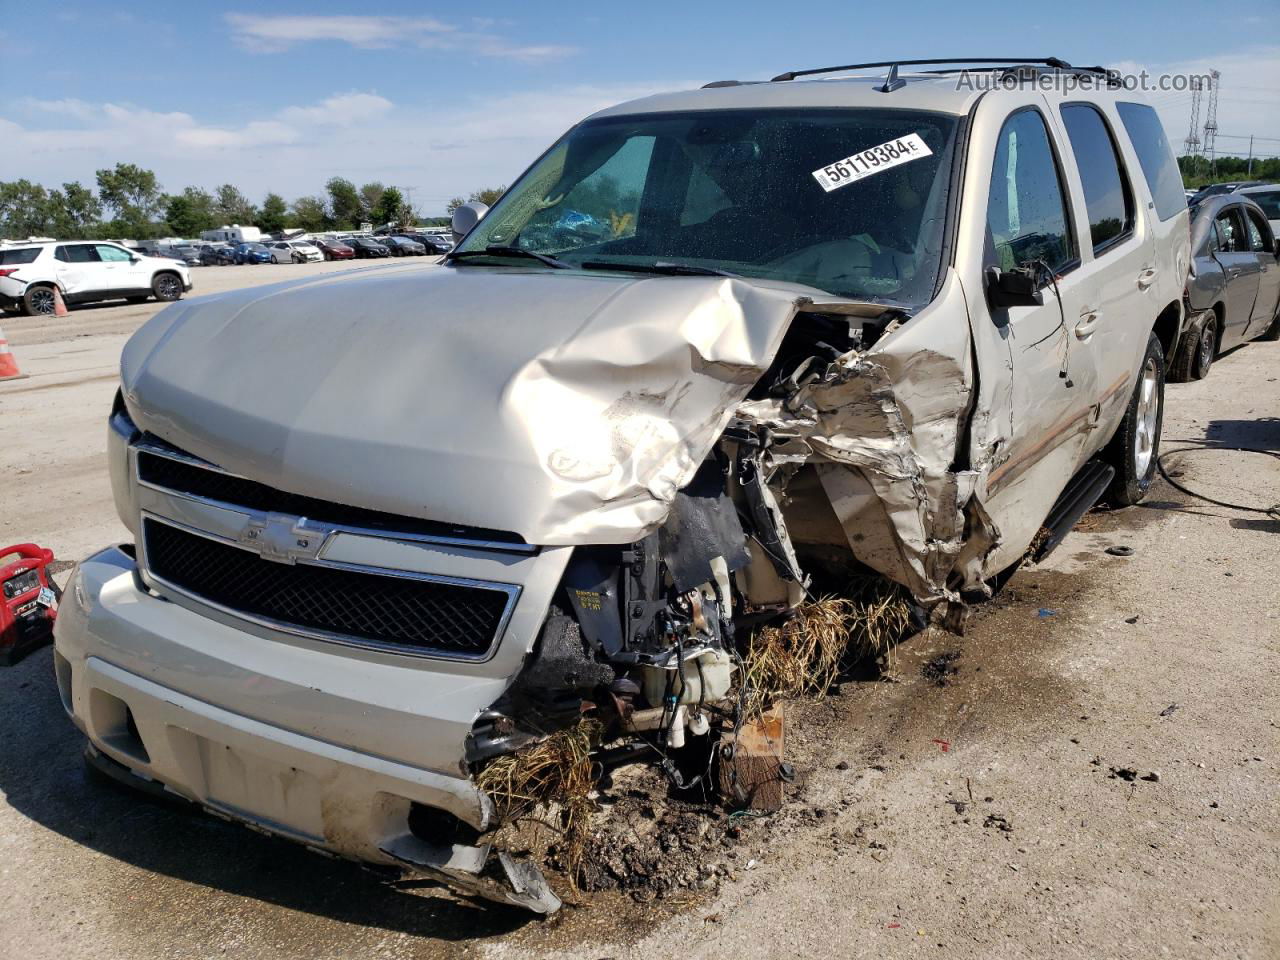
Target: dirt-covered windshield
point(850, 201)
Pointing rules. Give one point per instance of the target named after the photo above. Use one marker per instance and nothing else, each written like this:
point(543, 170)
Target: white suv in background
point(294, 251)
point(85, 271)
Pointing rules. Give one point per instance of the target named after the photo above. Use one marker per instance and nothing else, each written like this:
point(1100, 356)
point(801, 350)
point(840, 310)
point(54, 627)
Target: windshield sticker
point(873, 160)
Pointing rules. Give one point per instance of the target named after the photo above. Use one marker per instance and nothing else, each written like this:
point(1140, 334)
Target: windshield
point(851, 201)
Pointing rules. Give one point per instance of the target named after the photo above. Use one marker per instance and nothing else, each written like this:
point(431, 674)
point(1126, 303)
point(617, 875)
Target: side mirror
point(466, 217)
point(1019, 287)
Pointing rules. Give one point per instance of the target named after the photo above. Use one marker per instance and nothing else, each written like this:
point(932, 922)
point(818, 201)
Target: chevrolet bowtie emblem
point(285, 539)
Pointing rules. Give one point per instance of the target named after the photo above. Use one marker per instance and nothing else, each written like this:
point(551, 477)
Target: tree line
point(130, 202)
point(1197, 171)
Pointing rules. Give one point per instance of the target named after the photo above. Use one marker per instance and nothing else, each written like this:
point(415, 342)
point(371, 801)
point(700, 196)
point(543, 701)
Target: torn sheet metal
point(572, 420)
point(885, 428)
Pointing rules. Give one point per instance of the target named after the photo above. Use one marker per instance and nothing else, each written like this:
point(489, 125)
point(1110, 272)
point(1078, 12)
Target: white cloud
point(438, 150)
point(341, 110)
point(263, 33)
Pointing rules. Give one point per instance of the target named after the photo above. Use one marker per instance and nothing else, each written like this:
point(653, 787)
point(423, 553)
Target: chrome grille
point(401, 611)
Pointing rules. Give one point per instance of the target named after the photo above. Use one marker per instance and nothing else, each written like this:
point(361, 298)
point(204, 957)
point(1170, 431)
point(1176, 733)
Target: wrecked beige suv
point(715, 352)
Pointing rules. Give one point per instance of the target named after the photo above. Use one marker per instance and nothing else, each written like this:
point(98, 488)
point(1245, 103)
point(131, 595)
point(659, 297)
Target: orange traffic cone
point(59, 308)
point(8, 364)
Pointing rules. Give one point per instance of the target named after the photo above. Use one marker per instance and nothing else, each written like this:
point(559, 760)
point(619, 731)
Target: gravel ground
point(979, 818)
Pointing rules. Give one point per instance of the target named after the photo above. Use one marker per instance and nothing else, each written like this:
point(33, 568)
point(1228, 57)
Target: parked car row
point(312, 250)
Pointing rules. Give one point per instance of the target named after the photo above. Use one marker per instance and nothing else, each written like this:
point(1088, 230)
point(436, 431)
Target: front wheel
point(167, 287)
point(1136, 445)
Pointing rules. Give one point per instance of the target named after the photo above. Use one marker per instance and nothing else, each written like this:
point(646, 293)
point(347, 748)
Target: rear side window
point(9, 258)
point(78, 253)
point(1158, 166)
point(1269, 201)
point(1259, 232)
point(1230, 231)
point(1026, 209)
point(1108, 201)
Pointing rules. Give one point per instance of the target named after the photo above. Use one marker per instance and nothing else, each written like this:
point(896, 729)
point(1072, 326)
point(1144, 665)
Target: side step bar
point(1081, 493)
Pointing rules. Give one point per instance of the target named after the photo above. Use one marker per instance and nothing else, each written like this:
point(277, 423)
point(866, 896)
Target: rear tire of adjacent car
point(1197, 350)
point(167, 287)
point(1136, 446)
point(1272, 332)
point(38, 301)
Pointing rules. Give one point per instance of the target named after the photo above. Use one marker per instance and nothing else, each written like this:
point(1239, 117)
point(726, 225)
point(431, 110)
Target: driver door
point(1053, 384)
point(118, 269)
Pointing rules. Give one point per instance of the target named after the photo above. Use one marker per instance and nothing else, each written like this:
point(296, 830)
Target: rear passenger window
point(78, 253)
point(1259, 232)
point(1108, 201)
point(1158, 166)
point(1026, 210)
point(1230, 232)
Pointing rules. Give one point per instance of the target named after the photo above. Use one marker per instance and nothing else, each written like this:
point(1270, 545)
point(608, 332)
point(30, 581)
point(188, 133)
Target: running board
point(1081, 493)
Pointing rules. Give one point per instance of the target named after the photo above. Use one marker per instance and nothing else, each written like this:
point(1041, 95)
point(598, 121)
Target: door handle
point(1088, 320)
point(1146, 278)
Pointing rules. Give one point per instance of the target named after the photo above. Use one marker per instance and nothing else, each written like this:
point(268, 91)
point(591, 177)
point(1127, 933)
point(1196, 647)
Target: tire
point(1272, 332)
point(1197, 350)
point(167, 287)
point(38, 301)
point(1136, 445)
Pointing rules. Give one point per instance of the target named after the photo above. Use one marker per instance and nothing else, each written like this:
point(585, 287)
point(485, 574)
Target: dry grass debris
point(804, 656)
point(553, 777)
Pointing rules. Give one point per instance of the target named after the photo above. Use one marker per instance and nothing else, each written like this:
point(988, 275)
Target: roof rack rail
point(990, 62)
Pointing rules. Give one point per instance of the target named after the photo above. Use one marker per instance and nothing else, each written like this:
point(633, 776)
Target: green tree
point(309, 213)
point(24, 209)
point(272, 216)
point(81, 209)
point(390, 204)
point(488, 196)
point(133, 195)
point(189, 212)
point(370, 198)
point(231, 207)
point(344, 203)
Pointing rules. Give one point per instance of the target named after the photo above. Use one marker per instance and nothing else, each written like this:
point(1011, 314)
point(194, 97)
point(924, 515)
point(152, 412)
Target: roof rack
point(960, 63)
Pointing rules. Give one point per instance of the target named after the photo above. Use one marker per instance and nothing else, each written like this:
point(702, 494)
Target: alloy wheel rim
point(42, 301)
point(1148, 412)
point(167, 286)
point(1206, 346)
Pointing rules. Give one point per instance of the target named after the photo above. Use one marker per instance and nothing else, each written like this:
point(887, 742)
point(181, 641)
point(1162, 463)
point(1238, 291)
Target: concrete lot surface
point(1069, 673)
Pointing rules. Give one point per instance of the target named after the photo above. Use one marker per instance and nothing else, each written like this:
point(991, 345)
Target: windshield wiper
point(497, 251)
point(663, 269)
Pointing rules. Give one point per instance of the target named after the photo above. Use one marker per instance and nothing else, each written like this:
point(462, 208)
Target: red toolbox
point(28, 601)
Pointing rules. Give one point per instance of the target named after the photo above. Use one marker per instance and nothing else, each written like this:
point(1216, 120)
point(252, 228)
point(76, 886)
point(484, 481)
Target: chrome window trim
point(511, 590)
point(158, 450)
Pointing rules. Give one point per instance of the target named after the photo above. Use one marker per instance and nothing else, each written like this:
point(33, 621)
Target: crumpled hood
point(567, 408)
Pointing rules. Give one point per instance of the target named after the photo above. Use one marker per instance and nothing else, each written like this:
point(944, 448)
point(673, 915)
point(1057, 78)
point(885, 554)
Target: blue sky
point(444, 98)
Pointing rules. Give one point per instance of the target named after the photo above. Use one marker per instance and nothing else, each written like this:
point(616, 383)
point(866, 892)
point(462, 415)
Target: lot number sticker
point(863, 164)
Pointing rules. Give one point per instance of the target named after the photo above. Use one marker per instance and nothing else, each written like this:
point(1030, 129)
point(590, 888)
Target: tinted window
point(1269, 201)
point(1107, 199)
point(22, 255)
point(1230, 232)
point(1259, 233)
point(1214, 241)
point(79, 253)
point(1026, 213)
point(1158, 166)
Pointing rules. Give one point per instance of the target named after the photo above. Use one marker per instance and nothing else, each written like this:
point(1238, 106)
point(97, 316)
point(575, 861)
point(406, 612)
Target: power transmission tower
point(1191, 145)
point(1192, 142)
point(1211, 122)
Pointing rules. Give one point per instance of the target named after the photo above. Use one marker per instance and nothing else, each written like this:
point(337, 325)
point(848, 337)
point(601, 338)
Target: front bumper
point(299, 739)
